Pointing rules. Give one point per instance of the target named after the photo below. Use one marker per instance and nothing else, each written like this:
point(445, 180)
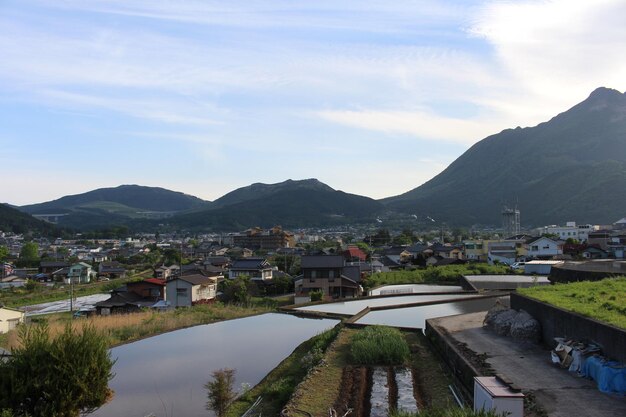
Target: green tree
point(63, 376)
point(220, 391)
point(29, 254)
point(4, 253)
point(237, 290)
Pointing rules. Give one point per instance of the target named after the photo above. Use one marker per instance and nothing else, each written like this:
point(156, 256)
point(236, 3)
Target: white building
point(569, 231)
point(543, 247)
point(188, 290)
point(9, 319)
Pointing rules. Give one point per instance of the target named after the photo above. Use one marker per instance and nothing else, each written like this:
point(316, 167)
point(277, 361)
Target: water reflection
point(415, 317)
point(353, 307)
point(165, 375)
point(413, 289)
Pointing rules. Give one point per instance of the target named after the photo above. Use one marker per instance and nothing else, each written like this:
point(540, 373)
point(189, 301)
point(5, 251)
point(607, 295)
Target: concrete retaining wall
point(463, 371)
point(557, 322)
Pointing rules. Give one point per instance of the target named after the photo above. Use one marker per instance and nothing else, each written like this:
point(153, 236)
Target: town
point(258, 271)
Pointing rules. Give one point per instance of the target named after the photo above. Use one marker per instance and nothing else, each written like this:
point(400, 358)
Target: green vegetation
point(600, 300)
point(448, 412)
point(62, 376)
point(318, 391)
point(220, 391)
point(439, 274)
point(278, 386)
point(18, 297)
point(379, 345)
point(124, 328)
point(13, 220)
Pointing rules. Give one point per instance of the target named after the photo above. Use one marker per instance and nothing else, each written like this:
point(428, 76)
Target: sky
point(199, 96)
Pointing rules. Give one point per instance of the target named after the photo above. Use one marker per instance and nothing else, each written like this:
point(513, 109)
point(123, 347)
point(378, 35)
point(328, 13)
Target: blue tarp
point(610, 376)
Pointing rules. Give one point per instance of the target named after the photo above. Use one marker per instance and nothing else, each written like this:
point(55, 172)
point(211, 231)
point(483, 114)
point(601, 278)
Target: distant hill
point(572, 167)
point(13, 220)
point(115, 206)
point(290, 204)
point(260, 190)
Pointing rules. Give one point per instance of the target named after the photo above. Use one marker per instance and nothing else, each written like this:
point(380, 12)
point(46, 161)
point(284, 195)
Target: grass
point(379, 345)
point(278, 386)
point(448, 412)
point(19, 297)
point(431, 377)
point(320, 388)
point(122, 328)
point(601, 300)
point(434, 274)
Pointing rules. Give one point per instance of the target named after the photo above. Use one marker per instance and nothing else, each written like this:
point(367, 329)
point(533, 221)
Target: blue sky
point(370, 97)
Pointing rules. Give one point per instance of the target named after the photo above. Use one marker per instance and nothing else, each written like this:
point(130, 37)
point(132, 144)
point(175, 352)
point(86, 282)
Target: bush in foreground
point(379, 345)
point(62, 376)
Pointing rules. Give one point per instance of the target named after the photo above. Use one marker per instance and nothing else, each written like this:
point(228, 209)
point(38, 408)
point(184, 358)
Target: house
point(111, 270)
point(133, 296)
point(354, 254)
point(258, 269)
point(79, 273)
point(447, 251)
point(398, 254)
point(591, 252)
point(330, 274)
point(48, 267)
point(163, 272)
point(188, 290)
point(543, 247)
point(9, 319)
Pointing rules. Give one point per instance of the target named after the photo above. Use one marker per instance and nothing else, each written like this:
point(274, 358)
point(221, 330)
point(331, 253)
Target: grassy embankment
point(321, 388)
point(449, 274)
point(123, 328)
point(601, 300)
point(278, 386)
point(19, 297)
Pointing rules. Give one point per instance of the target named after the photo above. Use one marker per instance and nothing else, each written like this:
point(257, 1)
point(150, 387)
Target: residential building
point(80, 273)
point(270, 239)
point(543, 247)
point(258, 269)
point(189, 290)
point(111, 270)
point(9, 319)
point(354, 254)
point(330, 274)
point(569, 231)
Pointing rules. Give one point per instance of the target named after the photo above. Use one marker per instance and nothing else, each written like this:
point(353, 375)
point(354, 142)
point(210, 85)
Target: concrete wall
point(556, 322)
point(463, 371)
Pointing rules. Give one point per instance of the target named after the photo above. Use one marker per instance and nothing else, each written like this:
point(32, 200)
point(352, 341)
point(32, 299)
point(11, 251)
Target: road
point(64, 305)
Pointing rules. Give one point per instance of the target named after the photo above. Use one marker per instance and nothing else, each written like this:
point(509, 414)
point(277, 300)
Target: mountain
point(572, 167)
point(260, 190)
point(13, 220)
point(115, 206)
point(290, 204)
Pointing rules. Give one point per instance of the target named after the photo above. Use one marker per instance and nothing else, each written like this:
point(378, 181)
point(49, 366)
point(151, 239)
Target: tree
point(220, 391)
point(4, 253)
point(63, 376)
point(237, 290)
point(29, 254)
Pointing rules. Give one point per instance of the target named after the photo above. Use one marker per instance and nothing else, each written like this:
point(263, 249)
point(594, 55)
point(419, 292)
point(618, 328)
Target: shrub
point(64, 376)
point(316, 295)
point(220, 391)
point(379, 345)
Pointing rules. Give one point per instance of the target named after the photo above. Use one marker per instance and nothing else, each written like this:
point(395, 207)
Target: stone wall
point(557, 322)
